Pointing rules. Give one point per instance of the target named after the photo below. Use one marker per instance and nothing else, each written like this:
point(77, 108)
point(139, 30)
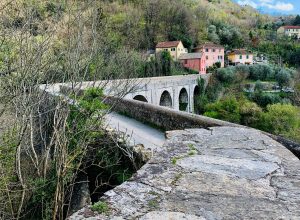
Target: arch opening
point(183, 100)
point(165, 99)
point(140, 98)
point(196, 100)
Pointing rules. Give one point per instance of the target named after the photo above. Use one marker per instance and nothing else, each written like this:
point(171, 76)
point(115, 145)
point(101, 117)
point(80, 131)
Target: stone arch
point(165, 99)
point(140, 98)
point(183, 100)
point(196, 95)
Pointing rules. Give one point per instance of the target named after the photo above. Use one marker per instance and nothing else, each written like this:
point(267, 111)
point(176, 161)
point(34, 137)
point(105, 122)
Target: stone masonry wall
point(163, 117)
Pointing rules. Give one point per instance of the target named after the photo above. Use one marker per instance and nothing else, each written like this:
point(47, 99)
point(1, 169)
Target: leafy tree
point(214, 67)
point(212, 34)
point(226, 75)
point(283, 77)
point(259, 86)
point(152, 21)
point(242, 72)
point(261, 72)
point(282, 51)
point(250, 113)
point(166, 59)
point(297, 20)
point(229, 35)
point(201, 99)
point(281, 119)
point(263, 98)
point(226, 109)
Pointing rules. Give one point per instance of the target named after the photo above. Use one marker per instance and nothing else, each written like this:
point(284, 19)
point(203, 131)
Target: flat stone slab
point(221, 173)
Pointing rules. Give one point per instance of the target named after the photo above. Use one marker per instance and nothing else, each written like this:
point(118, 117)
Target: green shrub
point(250, 113)
point(254, 72)
point(269, 72)
point(200, 99)
point(264, 98)
point(101, 207)
point(242, 72)
point(226, 75)
point(200, 102)
point(226, 109)
point(261, 72)
point(259, 86)
point(283, 77)
point(213, 91)
point(91, 101)
point(281, 119)
point(214, 67)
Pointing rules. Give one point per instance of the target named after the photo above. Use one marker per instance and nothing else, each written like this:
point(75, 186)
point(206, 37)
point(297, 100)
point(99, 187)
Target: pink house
point(194, 61)
point(213, 53)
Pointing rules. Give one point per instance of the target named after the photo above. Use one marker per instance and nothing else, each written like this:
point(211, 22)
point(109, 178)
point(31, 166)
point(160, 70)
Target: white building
point(291, 31)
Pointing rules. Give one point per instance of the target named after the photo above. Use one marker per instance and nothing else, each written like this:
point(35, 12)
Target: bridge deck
point(139, 133)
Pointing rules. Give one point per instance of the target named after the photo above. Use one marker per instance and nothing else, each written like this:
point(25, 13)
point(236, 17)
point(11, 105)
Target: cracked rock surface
point(222, 173)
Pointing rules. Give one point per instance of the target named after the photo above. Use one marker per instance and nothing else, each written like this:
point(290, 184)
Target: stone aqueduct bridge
point(176, 92)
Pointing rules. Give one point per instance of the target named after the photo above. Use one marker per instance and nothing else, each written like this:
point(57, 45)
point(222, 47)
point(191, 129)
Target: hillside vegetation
point(258, 96)
point(48, 146)
point(139, 24)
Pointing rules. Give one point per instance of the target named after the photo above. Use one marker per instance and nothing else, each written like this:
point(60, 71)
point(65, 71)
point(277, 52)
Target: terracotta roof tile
point(167, 44)
point(240, 51)
point(291, 27)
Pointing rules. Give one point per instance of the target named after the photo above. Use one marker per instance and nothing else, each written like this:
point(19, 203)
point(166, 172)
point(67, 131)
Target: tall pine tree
point(297, 20)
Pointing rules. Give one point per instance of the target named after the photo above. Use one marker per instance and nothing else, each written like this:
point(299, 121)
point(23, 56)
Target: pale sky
point(274, 6)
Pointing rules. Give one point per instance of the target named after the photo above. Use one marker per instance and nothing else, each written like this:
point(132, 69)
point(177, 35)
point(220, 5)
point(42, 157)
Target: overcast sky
point(274, 6)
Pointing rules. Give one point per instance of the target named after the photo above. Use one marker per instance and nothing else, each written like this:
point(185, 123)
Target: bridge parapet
point(225, 173)
point(163, 117)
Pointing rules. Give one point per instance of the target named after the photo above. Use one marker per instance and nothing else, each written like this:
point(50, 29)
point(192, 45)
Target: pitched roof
point(167, 44)
point(240, 51)
point(291, 27)
point(189, 56)
point(209, 45)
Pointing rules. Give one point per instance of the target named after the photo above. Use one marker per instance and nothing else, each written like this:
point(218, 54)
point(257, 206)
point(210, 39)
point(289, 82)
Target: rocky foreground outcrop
point(222, 173)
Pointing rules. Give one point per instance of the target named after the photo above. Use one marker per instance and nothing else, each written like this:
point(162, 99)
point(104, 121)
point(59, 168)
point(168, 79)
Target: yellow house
point(240, 56)
point(175, 48)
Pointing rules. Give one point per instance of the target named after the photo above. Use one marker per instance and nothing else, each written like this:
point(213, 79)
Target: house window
point(206, 50)
point(241, 57)
point(214, 50)
point(185, 61)
point(173, 49)
point(247, 57)
point(165, 49)
point(206, 57)
point(221, 57)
